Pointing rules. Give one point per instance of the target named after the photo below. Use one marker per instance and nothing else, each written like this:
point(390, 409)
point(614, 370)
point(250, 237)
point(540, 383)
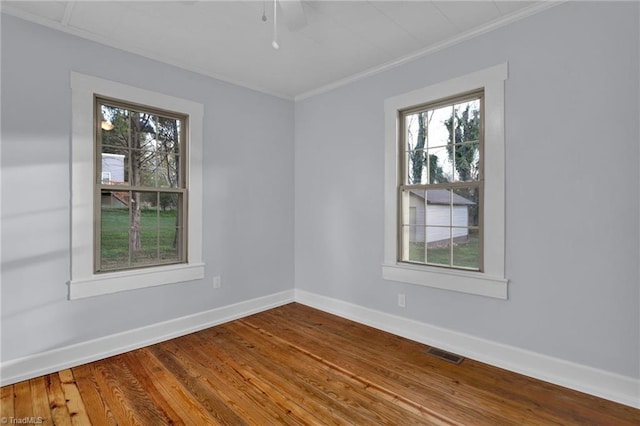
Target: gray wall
point(248, 162)
point(572, 188)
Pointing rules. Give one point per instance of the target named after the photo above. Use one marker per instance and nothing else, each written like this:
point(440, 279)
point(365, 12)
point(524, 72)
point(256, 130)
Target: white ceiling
point(228, 40)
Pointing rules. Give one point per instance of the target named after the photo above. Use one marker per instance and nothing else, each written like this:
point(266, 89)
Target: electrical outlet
point(217, 281)
point(402, 300)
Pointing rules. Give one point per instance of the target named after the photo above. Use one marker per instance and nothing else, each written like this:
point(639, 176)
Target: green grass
point(157, 234)
point(465, 255)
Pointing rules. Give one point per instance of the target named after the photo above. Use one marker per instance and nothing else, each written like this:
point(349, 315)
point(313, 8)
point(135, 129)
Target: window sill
point(477, 283)
point(112, 282)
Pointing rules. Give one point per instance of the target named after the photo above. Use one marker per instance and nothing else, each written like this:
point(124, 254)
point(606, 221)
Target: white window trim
point(84, 281)
point(491, 282)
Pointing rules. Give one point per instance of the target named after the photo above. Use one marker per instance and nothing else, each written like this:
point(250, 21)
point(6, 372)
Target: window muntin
point(140, 209)
point(441, 183)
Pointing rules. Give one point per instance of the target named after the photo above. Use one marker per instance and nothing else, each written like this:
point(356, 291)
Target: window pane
point(137, 159)
point(438, 207)
point(147, 253)
point(114, 249)
point(167, 148)
point(416, 207)
point(114, 127)
point(114, 166)
point(155, 169)
point(170, 166)
point(114, 229)
point(164, 167)
point(415, 136)
point(155, 228)
point(142, 129)
point(466, 249)
point(416, 246)
point(468, 121)
point(408, 211)
point(416, 168)
point(437, 167)
point(114, 134)
point(414, 131)
point(467, 162)
point(439, 245)
point(170, 230)
point(440, 165)
point(148, 167)
point(439, 126)
point(467, 140)
point(466, 204)
point(169, 244)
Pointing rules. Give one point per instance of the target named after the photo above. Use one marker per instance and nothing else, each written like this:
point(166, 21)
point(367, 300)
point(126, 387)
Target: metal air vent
point(447, 356)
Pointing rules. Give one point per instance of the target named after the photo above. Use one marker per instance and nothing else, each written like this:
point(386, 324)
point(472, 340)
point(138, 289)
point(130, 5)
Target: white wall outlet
point(402, 300)
point(217, 281)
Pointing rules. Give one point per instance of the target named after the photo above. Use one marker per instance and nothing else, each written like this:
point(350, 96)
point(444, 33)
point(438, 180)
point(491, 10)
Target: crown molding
point(66, 28)
point(493, 25)
point(87, 35)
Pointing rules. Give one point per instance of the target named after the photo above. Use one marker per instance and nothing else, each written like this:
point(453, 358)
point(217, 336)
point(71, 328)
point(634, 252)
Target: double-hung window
point(440, 218)
point(444, 185)
point(136, 188)
point(140, 209)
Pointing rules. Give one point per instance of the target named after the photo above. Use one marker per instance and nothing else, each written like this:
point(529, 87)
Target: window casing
point(87, 279)
point(487, 276)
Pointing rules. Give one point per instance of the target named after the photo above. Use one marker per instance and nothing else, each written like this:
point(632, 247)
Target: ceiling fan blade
point(293, 14)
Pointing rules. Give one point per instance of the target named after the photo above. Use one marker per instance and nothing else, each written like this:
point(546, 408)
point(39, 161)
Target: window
point(140, 219)
point(441, 166)
point(444, 185)
point(136, 218)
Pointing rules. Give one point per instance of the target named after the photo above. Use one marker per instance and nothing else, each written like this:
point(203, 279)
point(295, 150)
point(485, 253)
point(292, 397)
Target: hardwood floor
point(297, 365)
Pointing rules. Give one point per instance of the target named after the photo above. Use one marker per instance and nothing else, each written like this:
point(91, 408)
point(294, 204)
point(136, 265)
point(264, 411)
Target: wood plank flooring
point(299, 366)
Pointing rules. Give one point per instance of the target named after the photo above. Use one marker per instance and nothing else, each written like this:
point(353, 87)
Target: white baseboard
point(603, 384)
point(81, 353)
point(585, 379)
